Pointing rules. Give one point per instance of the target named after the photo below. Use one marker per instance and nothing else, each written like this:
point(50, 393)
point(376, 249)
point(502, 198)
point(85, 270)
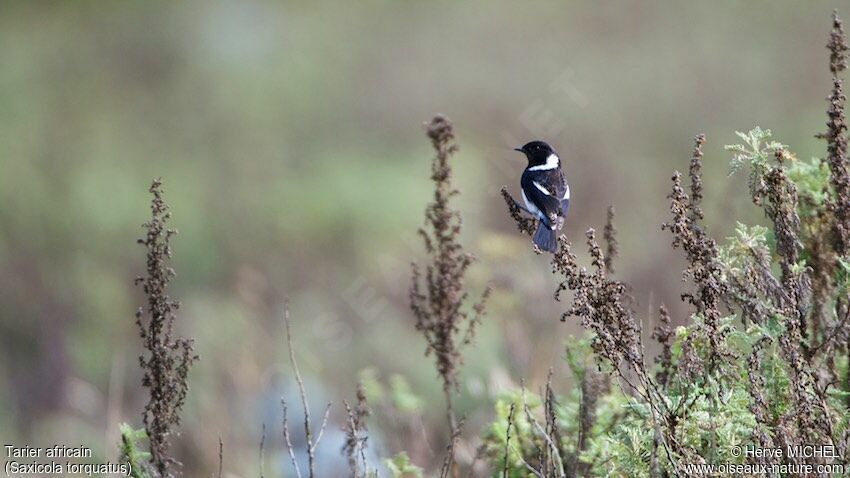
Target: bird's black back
point(550, 202)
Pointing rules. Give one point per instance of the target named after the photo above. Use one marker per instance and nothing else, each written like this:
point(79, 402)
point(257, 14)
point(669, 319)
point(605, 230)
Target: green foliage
point(397, 392)
point(372, 386)
point(621, 440)
point(400, 466)
point(523, 440)
point(579, 355)
point(812, 180)
point(740, 247)
point(131, 452)
point(752, 377)
point(757, 150)
point(619, 432)
point(402, 396)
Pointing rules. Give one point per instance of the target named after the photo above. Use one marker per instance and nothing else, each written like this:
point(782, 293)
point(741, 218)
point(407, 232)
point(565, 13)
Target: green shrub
point(761, 361)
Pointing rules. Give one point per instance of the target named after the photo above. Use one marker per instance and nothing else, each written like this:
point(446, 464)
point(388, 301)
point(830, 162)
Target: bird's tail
point(546, 239)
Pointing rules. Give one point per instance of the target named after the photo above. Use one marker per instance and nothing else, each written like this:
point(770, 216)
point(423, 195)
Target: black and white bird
point(545, 192)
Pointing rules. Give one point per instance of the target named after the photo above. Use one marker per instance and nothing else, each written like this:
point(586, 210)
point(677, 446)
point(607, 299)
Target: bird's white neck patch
point(552, 162)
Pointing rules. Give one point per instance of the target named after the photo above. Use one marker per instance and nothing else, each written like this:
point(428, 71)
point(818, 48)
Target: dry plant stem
point(839, 179)
point(450, 413)
point(704, 267)
point(549, 410)
point(836, 137)
point(593, 384)
point(220, 457)
point(324, 425)
point(509, 446)
point(663, 334)
point(308, 429)
point(759, 404)
point(167, 359)
point(288, 440)
point(610, 235)
point(448, 469)
point(508, 439)
point(438, 296)
point(356, 436)
point(263, 452)
point(301, 391)
point(653, 459)
point(351, 454)
point(525, 224)
point(695, 173)
point(527, 465)
point(550, 443)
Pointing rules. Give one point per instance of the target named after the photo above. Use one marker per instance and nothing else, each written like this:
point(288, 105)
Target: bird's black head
point(537, 152)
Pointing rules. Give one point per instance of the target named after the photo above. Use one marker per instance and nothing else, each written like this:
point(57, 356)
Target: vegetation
point(168, 359)
point(761, 360)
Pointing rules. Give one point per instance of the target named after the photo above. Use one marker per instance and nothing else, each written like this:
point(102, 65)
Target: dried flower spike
point(167, 359)
point(439, 299)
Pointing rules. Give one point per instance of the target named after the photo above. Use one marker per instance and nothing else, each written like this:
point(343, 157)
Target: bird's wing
point(556, 184)
point(562, 189)
point(546, 190)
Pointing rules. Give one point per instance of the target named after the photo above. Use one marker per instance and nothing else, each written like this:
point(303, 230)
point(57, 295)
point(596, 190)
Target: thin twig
point(220, 456)
point(288, 440)
point(508, 439)
point(555, 452)
point(527, 464)
point(449, 463)
point(262, 450)
point(352, 446)
point(322, 429)
point(549, 405)
point(308, 431)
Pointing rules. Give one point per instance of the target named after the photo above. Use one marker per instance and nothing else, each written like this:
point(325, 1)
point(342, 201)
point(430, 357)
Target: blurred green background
point(289, 139)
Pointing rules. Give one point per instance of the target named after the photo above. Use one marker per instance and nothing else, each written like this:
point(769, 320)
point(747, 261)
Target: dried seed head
point(167, 359)
point(610, 235)
point(438, 298)
point(837, 46)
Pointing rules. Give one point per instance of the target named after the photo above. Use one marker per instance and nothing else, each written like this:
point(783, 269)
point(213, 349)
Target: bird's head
point(539, 153)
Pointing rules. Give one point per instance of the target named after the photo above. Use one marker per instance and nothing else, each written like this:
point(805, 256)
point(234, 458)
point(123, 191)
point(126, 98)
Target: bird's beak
point(519, 149)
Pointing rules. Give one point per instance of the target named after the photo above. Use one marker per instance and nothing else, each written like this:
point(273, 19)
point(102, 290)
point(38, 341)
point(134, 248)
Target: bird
point(545, 192)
